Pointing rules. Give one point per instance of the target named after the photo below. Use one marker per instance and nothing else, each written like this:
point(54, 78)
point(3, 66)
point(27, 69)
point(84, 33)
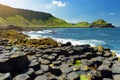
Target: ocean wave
point(81, 42)
point(34, 36)
point(117, 52)
point(39, 32)
point(106, 35)
point(92, 42)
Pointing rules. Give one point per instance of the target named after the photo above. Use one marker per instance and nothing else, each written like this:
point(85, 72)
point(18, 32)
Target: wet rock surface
point(66, 62)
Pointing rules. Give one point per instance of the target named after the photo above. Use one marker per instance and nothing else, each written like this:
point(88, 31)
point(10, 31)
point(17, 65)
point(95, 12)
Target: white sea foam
point(44, 31)
point(117, 52)
point(92, 42)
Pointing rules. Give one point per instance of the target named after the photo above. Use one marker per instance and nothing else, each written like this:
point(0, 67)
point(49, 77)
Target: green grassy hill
point(22, 17)
point(100, 23)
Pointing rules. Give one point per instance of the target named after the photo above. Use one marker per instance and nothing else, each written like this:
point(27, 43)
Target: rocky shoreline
point(56, 62)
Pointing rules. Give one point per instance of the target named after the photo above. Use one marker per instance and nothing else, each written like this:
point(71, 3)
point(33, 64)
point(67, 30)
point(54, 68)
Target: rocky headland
point(22, 58)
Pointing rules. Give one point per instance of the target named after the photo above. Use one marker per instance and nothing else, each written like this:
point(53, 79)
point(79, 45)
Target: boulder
point(105, 71)
point(107, 62)
point(116, 68)
point(22, 77)
point(16, 62)
point(55, 70)
point(45, 62)
point(3, 42)
point(45, 68)
point(56, 50)
point(52, 77)
point(34, 65)
point(87, 49)
point(56, 63)
point(31, 73)
point(72, 76)
point(97, 61)
point(41, 77)
point(67, 44)
point(107, 54)
point(62, 77)
point(51, 57)
point(99, 53)
point(107, 79)
point(39, 72)
point(85, 62)
point(90, 55)
point(113, 58)
point(71, 52)
point(65, 69)
point(116, 77)
point(84, 68)
point(5, 76)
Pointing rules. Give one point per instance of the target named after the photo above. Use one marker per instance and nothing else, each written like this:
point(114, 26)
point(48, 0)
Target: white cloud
point(56, 3)
point(112, 13)
point(59, 3)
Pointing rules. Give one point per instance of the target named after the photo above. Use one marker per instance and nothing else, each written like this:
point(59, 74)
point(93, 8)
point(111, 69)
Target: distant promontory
point(100, 23)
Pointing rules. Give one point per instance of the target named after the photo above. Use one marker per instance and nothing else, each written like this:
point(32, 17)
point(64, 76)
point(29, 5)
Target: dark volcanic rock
point(45, 68)
point(97, 61)
point(35, 65)
point(22, 77)
point(55, 70)
point(45, 62)
point(39, 72)
point(113, 58)
point(116, 77)
point(107, 79)
point(65, 69)
point(67, 44)
point(6, 76)
point(73, 76)
point(116, 67)
point(3, 42)
point(107, 62)
point(56, 63)
point(15, 62)
point(105, 71)
point(41, 77)
point(31, 73)
point(107, 55)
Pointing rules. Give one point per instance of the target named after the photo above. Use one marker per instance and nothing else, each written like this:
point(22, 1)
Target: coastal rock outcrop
point(53, 62)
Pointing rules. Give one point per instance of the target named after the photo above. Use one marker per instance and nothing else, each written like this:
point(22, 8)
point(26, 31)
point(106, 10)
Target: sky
point(73, 10)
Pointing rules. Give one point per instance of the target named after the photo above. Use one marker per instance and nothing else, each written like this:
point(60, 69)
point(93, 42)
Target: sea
point(106, 37)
